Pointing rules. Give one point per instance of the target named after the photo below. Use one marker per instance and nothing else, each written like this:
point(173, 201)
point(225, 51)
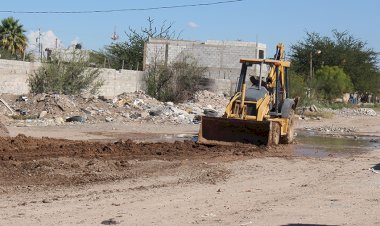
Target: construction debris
point(359, 111)
point(6, 105)
point(55, 109)
point(331, 129)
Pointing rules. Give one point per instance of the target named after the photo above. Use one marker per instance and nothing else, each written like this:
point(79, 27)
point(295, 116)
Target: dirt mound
point(48, 162)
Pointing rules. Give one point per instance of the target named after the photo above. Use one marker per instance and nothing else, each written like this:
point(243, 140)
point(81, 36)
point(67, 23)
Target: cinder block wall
point(14, 76)
point(117, 82)
point(14, 79)
point(221, 58)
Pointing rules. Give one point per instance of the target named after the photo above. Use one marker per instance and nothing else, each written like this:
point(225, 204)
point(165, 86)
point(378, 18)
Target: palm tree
point(12, 36)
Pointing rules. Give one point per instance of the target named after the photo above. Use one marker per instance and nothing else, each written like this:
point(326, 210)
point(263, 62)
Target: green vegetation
point(12, 39)
point(353, 64)
point(24, 117)
point(176, 82)
point(331, 83)
point(297, 85)
point(129, 54)
point(72, 77)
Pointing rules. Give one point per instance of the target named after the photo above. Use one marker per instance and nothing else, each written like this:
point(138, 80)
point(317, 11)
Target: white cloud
point(48, 40)
point(192, 24)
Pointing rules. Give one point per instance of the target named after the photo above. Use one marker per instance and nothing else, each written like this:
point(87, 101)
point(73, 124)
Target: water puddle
point(307, 145)
point(323, 146)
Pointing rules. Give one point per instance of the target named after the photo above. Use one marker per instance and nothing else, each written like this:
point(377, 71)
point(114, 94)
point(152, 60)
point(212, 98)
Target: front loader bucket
point(226, 131)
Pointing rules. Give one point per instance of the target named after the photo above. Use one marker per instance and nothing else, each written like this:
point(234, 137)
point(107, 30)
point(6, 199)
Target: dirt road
point(61, 182)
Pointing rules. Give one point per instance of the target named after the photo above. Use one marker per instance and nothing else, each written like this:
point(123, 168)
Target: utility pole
point(311, 65)
point(257, 55)
point(39, 44)
point(317, 52)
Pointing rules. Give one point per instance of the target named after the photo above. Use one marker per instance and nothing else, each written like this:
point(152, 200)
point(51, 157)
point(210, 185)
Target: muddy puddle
point(323, 146)
point(307, 145)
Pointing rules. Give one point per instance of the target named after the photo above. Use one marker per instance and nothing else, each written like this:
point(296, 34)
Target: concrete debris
point(109, 119)
point(7, 106)
point(22, 98)
point(359, 111)
point(42, 114)
point(56, 109)
point(331, 129)
point(373, 170)
point(58, 120)
point(313, 108)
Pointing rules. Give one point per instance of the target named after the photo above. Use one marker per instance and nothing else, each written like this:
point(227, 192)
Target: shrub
point(332, 82)
point(175, 82)
point(70, 76)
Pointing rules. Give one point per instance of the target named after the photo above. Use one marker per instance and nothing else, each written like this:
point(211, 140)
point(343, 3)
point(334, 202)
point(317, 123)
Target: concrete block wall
point(14, 76)
point(14, 79)
point(221, 58)
point(219, 86)
point(117, 82)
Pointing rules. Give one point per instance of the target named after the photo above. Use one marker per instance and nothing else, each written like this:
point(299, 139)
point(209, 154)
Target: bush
point(176, 82)
point(71, 76)
point(297, 86)
point(332, 82)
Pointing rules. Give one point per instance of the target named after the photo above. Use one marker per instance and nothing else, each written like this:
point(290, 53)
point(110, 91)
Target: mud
point(26, 162)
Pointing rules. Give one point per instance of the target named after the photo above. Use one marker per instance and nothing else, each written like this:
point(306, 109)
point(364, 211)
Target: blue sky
point(271, 21)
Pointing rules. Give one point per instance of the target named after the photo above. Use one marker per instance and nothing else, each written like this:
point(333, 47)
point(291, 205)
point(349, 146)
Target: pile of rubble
point(331, 129)
point(359, 111)
point(55, 109)
point(344, 112)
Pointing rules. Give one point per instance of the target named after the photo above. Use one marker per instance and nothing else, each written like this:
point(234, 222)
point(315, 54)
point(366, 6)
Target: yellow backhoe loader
point(261, 114)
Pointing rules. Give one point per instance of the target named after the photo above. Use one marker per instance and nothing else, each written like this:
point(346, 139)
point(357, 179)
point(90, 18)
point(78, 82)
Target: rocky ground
point(107, 171)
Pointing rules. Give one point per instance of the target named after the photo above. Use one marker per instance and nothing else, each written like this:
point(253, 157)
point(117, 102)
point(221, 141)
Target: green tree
point(129, 54)
point(297, 85)
point(64, 76)
point(12, 37)
point(343, 50)
point(332, 82)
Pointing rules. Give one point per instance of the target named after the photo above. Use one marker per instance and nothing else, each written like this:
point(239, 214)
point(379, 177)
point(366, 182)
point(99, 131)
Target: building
point(221, 58)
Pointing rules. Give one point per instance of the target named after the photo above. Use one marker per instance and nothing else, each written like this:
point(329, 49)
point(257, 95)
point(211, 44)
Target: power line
point(120, 10)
